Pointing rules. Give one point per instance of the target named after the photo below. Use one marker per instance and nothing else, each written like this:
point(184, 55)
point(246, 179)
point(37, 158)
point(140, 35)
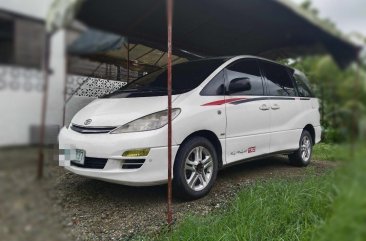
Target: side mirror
point(239, 85)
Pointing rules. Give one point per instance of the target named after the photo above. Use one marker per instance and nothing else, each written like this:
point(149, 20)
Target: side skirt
point(284, 152)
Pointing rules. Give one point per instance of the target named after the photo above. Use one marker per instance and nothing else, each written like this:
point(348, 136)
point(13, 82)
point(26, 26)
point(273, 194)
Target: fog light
point(136, 152)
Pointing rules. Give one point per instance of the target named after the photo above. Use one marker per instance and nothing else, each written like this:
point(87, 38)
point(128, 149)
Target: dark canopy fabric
point(266, 28)
point(93, 41)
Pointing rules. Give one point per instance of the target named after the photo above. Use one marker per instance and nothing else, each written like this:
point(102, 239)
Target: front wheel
point(302, 156)
point(195, 169)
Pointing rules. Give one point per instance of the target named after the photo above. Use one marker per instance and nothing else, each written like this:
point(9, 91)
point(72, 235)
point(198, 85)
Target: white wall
point(20, 109)
point(57, 80)
point(32, 8)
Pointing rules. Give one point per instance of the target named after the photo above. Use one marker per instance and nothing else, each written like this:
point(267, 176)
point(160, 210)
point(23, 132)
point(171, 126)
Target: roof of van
point(228, 58)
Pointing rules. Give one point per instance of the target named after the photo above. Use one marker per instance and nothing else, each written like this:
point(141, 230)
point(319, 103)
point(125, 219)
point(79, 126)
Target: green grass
point(273, 210)
point(346, 219)
point(330, 152)
point(327, 207)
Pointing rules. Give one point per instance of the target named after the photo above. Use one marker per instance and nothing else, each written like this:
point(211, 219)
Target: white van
point(225, 110)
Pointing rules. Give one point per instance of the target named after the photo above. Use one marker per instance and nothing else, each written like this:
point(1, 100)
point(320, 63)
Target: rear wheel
point(195, 169)
point(302, 156)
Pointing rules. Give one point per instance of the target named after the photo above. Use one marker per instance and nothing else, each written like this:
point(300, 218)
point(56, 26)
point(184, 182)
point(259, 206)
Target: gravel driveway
point(64, 206)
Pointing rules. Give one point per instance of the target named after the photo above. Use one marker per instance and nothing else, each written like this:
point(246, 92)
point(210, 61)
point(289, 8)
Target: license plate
point(79, 157)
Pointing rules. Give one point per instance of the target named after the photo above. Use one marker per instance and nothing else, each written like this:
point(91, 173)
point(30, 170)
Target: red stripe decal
point(221, 102)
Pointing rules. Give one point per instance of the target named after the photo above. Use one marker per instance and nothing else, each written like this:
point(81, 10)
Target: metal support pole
point(128, 61)
point(65, 96)
point(170, 23)
point(65, 84)
point(45, 67)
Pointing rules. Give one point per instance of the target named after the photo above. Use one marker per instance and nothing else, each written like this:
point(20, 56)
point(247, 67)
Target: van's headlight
point(147, 123)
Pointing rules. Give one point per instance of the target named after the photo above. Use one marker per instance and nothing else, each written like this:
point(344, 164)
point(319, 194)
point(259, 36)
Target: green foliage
point(342, 95)
point(332, 135)
point(330, 152)
point(327, 207)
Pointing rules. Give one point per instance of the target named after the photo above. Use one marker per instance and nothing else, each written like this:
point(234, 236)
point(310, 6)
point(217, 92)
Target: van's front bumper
point(111, 147)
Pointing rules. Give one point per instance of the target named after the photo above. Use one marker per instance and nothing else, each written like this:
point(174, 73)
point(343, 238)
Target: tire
point(195, 169)
point(302, 157)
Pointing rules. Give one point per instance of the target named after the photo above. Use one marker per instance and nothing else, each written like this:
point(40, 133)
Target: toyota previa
point(225, 110)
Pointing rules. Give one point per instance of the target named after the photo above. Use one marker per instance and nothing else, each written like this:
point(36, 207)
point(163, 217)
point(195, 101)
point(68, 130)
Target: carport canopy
point(206, 28)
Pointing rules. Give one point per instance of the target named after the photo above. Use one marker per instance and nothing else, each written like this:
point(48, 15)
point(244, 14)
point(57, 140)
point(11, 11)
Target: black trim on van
point(261, 98)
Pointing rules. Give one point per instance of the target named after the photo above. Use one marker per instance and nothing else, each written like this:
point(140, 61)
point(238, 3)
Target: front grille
point(92, 163)
point(132, 163)
point(92, 129)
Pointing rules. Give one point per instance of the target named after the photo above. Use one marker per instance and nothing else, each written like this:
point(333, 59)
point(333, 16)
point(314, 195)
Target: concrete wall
point(21, 87)
point(21, 98)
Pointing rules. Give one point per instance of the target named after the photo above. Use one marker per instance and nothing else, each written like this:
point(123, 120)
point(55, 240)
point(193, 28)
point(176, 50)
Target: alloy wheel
point(305, 149)
point(198, 168)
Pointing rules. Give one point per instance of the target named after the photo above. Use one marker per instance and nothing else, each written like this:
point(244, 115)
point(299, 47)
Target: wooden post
point(169, 84)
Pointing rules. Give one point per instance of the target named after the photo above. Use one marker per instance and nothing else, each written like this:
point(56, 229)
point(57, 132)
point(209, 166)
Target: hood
point(116, 112)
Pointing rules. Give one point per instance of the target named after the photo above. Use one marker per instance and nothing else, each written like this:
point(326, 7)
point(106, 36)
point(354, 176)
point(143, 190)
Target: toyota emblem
point(87, 122)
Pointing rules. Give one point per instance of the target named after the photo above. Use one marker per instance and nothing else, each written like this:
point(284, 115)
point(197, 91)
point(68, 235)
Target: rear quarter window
point(279, 81)
point(303, 85)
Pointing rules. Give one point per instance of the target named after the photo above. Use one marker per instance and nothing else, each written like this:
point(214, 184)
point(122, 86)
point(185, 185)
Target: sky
point(348, 15)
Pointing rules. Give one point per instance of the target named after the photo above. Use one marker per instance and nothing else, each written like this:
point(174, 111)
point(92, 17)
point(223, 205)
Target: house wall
point(21, 98)
point(21, 81)
point(21, 87)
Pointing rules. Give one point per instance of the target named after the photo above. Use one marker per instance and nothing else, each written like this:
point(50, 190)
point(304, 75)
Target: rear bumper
point(318, 134)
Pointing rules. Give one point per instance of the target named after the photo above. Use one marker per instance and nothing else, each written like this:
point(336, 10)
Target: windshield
point(186, 76)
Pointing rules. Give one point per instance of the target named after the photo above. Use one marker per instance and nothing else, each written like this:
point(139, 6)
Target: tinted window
point(215, 86)
point(186, 77)
point(279, 81)
point(245, 71)
point(303, 85)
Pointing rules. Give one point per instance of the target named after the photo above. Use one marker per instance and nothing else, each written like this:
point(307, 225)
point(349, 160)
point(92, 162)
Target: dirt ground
point(64, 206)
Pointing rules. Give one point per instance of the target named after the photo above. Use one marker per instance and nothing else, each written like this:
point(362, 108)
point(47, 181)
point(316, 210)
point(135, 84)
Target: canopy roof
point(115, 49)
point(203, 28)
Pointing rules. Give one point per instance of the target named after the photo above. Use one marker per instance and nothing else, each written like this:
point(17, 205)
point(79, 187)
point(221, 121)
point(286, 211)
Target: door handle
point(275, 107)
point(264, 107)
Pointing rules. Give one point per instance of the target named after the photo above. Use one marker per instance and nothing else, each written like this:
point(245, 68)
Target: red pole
point(45, 63)
point(128, 61)
point(170, 20)
point(65, 84)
